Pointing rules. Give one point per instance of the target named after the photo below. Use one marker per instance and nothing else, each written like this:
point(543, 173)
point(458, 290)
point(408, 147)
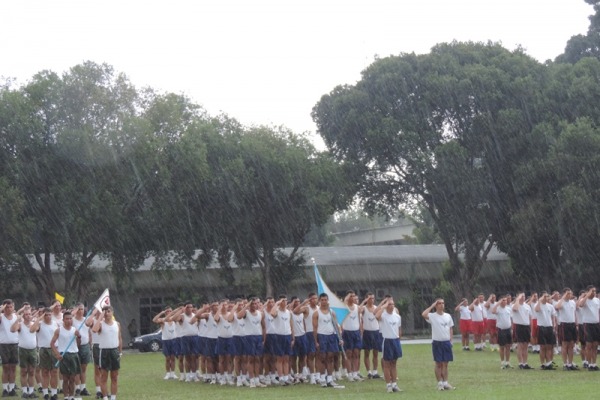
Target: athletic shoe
point(478, 349)
point(12, 393)
point(324, 384)
point(594, 368)
point(252, 385)
point(5, 393)
point(448, 386)
point(376, 376)
point(360, 376)
point(574, 367)
point(369, 376)
point(440, 386)
point(54, 397)
point(350, 378)
point(396, 389)
point(167, 376)
point(526, 366)
point(389, 389)
point(47, 397)
point(33, 395)
point(335, 385)
point(357, 378)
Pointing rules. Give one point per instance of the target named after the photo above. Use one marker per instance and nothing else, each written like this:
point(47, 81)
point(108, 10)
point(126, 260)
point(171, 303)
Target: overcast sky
point(264, 61)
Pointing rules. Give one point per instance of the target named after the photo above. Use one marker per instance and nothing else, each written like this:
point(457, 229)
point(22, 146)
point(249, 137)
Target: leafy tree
point(433, 129)
point(580, 46)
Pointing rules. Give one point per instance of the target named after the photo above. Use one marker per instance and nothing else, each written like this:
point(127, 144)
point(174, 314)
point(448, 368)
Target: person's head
point(591, 291)
point(439, 306)
point(47, 315)
point(27, 315)
point(370, 297)
point(389, 305)
point(350, 297)
point(323, 300)
point(79, 309)
point(9, 306)
point(67, 319)
point(269, 301)
point(294, 302)
point(568, 293)
point(282, 301)
point(108, 312)
point(56, 306)
point(544, 297)
point(189, 308)
point(312, 299)
point(481, 297)
point(254, 304)
point(503, 301)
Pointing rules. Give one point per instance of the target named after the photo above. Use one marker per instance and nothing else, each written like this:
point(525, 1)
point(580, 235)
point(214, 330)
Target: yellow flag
point(58, 297)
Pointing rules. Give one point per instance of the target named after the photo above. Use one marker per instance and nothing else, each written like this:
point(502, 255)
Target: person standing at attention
point(441, 334)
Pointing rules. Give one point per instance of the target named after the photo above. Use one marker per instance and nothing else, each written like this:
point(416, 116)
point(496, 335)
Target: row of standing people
point(277, 342)
point(53, 347)
point(549, 323)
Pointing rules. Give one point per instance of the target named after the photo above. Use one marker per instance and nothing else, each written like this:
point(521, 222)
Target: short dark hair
point(322, 295)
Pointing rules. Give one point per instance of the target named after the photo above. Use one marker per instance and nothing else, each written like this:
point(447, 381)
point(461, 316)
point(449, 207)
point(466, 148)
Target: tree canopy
point(93, 167)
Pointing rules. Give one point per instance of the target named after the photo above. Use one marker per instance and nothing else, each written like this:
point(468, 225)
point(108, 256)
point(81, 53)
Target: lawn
point(476, 376)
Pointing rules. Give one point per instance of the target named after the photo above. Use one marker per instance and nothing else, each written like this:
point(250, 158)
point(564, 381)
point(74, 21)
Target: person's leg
point(114, 382)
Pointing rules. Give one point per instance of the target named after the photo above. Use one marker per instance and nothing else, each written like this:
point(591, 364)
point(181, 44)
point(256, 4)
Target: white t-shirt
point(352, 322)
point(370, 323)
point(503, 320)
point(325, 326)
point(544, 316)
point(27, 340)
point(390, 325)
point(440, 326)
point(254, 325)
point(477, 313)
point(465, 313)
point(521, 316)
point(281, 323)
point(589, 311)
point(6, 336)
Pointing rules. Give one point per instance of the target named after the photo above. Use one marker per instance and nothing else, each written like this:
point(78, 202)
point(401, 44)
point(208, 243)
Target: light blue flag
point(335, 303)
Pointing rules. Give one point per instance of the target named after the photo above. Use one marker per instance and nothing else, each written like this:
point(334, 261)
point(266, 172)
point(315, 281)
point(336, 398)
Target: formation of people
point(546, 324)
point(254, 343)
point(53, 347)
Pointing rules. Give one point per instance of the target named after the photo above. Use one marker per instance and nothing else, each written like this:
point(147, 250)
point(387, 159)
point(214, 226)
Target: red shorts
point(478, 327)
point(490, 326)
point(534, 328)
point(465, 325)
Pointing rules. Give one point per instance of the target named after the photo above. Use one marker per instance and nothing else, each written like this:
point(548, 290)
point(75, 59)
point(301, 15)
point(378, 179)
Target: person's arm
point(160, 317)
point(97, 327)
point(301, 308)
point(495, 308)
point(53, 345)
point(315, 319)
point(463, 302)
point(120, 339)
point(429, 310)
point(380, 310)
point(275, 309)
point(16, 326)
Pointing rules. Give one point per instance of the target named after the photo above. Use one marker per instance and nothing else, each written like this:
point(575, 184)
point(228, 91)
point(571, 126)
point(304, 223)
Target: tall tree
point(580, 46)
point(427, 128)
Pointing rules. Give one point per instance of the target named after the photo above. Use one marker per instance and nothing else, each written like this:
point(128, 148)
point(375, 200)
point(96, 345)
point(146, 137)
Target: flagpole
point(74, 335)
point(335, 328)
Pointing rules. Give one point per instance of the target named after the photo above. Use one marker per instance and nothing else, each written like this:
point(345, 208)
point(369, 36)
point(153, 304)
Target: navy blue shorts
point(310, 339)
point(372, 340)
point(190, 345)
point(225, 346)
point(169, 347)
point(301, 345)
point(269, 343)
point(442, 351)
point(178, 346)
point(210, 347)
point(282, 345)
point(352, 340)
point(328, 343)
point(238, 345)
point(253, 345)
point(391, 349)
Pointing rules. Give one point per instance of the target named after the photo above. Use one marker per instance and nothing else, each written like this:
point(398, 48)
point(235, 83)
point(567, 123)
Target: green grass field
point(476, 376)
